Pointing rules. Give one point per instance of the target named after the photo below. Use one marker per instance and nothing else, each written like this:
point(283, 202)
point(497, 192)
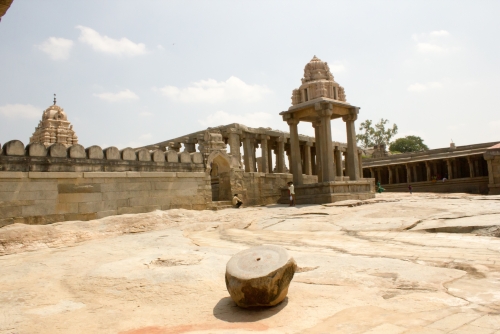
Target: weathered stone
point(77, 151)
point(13, 147)
point(95, 152)
point(185, 157)
point(112, 153)
point(128, 154)
point(260, 276)
point(36, 150)
point(158, 156)
point(57, 150)
point(172, 156)
point(197, 157)
point(143, 155)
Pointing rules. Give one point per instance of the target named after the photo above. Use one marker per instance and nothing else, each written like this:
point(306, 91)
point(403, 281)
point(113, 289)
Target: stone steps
point(219, 205)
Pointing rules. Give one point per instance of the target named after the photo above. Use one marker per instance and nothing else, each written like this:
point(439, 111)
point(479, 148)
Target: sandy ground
point(400, 263)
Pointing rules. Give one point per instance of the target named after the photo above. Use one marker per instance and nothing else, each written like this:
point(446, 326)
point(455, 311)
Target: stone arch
point(219, 169)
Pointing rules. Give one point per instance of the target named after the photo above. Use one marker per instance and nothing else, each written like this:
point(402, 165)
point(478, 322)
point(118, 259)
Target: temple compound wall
point(472, 169)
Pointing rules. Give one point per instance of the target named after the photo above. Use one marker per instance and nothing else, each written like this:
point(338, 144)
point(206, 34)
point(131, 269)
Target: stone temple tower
point(54, 128)
point(317, 82)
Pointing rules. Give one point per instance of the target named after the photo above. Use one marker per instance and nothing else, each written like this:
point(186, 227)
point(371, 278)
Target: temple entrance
point(220, 179)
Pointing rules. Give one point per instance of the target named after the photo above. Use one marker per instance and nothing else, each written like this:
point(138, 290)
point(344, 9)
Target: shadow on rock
point(227, 310)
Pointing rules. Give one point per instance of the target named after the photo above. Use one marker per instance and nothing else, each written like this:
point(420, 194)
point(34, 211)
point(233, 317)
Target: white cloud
point(336, 67)
point(126, 94)
point(160, 47)
point(257, 119)
point(26, 111)
point(418, 87)
point(212, 91)
point(56, 48)
point(439, 33)
point(145, 114)
point(105, 44)
point(494, 124)
point(430, 48)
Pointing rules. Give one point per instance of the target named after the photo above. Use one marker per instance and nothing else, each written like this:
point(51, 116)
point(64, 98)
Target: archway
point(219, 169)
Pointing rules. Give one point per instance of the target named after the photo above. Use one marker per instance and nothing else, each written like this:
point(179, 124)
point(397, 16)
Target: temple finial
point(54, 99)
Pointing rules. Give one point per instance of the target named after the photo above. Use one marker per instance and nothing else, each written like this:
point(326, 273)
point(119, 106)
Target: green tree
point(408, 144)
point(375, 134)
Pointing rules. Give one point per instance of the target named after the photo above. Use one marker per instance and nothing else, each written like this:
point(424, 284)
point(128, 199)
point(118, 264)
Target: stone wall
point(492, 156)
point(474, 185)
point(36, 157)
point(48, 197)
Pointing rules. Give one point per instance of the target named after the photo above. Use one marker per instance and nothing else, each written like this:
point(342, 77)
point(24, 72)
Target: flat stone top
point(257, 261)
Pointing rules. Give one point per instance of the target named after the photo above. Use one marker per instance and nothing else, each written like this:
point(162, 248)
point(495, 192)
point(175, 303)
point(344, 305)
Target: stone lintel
point(89, 175)
point(13, 175)
point(191, 174)
point(54, 175)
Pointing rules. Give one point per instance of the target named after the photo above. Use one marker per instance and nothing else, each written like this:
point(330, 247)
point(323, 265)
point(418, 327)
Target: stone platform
point(329, 192)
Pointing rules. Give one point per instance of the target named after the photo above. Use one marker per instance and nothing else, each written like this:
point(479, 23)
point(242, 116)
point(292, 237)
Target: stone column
point(175, 146)
point(415, 174)
point(471, 166)
point(270, 157)
point(450, 168)
point(307, 158)
point(248, 152)
point(234, 143)
point(325, 112)
point(319, 166)
point(313, 160)
point(408, 173)
point(352, 155)
point(296, 163)
point(265, 155)
point(280, 158)
point(346, 164)
point(435, 168)
point(372, 173)
point(397, 174)
point(390, 174)
point(379, 175)
point(428, 170)
point(360, 161)
point(338, 160)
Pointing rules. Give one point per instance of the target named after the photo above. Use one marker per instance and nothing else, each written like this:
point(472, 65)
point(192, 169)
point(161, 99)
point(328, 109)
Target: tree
point(408, 144)
point(375, 134)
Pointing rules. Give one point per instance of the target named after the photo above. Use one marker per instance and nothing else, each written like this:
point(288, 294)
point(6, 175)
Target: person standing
point(291, 190)
point(410, 188)
point(236, 201)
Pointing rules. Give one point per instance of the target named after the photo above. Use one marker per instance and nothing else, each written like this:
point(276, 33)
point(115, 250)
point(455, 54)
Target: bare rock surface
point(260, 276)
point(380, 266)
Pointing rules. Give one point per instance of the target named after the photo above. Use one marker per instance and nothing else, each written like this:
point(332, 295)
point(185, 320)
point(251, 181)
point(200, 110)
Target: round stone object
point(260, 276)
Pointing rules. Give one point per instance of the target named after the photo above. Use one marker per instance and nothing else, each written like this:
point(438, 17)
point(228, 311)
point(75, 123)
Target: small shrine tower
point(54, 128)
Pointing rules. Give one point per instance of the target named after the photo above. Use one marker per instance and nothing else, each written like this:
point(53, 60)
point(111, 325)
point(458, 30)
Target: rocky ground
point(399, 263)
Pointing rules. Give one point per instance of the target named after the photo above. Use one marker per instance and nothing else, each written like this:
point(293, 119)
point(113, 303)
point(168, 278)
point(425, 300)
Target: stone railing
point(15, 156)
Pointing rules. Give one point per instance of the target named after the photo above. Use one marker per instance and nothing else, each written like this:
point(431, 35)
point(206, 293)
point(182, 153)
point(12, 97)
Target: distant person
point(236, 201)
point(379, 188)
point(410, 188)
point(291, 192)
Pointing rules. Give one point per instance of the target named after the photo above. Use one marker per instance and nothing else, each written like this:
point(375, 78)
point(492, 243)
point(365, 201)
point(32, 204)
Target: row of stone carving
point(58, 150)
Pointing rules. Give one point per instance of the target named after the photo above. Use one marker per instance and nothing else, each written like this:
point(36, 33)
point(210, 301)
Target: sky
point(132, 73)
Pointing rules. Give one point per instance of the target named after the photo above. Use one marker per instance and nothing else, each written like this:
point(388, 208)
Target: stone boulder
point(260, 276)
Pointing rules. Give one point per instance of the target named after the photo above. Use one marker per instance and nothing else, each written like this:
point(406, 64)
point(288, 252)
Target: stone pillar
point(175, 146)
point(360, 161)
point(234, 143)
point(319, 166)
point(313, 160)
point(471, 166)
point(390, 174)
point(338, 161)
point(450, 168)
point(248, 153)
point(270, 157)
point(408, 173)
point(397, 174)
point(280, 158)
point(428, 170)
point(379, 176)
point(345, 164)
point(435, 168)
point(372, 173)
point(265, 153)
point(415, 174)
point(296, 163)
point(352, 155)
point(307, 158)
point(325, 112)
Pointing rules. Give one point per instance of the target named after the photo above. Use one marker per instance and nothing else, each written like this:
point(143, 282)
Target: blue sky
point(130, 73)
